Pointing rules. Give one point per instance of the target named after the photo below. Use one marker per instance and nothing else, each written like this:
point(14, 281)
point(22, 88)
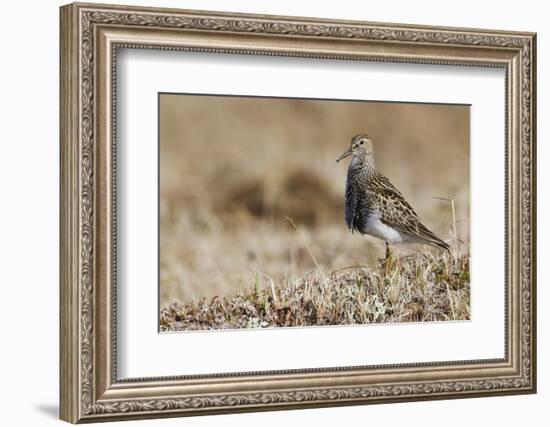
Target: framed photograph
point(265, 212)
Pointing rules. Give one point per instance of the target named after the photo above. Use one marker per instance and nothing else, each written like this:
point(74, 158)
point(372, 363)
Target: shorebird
point(375, 207)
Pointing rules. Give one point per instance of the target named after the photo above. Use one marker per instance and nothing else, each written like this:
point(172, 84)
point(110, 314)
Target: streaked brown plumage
point(374, 206)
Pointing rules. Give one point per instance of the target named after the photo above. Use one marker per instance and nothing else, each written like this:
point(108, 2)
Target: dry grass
point(419, 287)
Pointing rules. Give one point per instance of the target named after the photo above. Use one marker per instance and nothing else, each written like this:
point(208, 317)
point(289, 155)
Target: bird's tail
point(440, 244)
point(433, 240)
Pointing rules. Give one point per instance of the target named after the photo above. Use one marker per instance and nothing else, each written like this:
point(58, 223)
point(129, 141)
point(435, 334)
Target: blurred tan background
point(232, 169)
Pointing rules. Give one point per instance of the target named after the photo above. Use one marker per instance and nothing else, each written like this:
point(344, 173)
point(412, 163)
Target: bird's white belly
point(377, 228)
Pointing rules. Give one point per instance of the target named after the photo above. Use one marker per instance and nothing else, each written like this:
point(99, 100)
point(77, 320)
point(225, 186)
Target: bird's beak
point(347, 153)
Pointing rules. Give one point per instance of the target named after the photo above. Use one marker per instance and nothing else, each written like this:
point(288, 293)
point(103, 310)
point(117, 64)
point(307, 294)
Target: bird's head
point(361, 147)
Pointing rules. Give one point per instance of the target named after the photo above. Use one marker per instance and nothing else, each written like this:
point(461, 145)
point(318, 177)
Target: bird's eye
point(362, 142)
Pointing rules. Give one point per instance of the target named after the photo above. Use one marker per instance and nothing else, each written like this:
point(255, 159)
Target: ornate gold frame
point(90, 36)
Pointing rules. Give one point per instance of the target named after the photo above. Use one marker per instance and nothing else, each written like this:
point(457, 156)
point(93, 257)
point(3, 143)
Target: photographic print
point(281, 212)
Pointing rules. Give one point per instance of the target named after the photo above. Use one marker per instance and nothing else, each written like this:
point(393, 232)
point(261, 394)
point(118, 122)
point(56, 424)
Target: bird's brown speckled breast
point(358, 204)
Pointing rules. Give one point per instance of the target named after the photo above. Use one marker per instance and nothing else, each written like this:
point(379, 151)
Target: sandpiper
point(374, 206)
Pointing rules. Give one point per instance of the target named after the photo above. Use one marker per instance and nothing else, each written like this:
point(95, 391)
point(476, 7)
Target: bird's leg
point(388, 261)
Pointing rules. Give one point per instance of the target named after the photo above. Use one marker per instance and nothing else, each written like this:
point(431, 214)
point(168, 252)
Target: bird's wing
point(396, 212)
